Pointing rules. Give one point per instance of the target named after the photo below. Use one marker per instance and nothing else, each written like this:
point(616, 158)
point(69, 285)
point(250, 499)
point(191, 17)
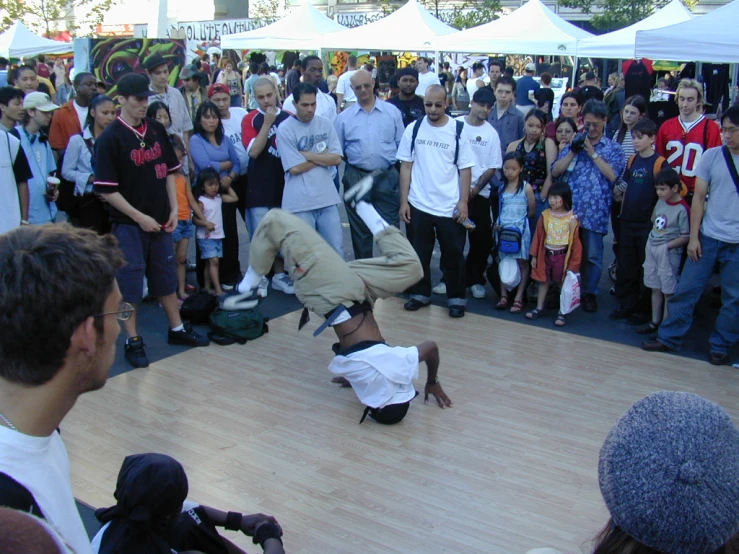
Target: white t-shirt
point(485, 145)
point(472, 85)
point(425, 80)
point(325, 106)
point(344, 86)
point(232, 129)
point(41, 464)
point(81, 114)
point(10, 213)
point(380, 375)
point(434, 180)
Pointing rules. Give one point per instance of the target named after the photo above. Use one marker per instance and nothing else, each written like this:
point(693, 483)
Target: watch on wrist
point(595, 156)
point(434, 381)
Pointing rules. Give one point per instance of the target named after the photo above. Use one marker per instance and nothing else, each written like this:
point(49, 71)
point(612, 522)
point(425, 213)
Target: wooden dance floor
point(512, 466)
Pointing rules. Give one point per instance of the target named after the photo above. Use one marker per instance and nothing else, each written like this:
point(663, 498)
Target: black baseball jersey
point(135, 162)
point(265, 177)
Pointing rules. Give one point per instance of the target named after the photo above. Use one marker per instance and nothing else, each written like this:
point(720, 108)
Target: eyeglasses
point(729, 130)
point(124, 314)
point(363, 86)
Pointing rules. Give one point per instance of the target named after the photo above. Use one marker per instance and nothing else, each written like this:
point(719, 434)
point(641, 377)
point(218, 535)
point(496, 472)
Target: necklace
point(8, 423)
point(140, 135)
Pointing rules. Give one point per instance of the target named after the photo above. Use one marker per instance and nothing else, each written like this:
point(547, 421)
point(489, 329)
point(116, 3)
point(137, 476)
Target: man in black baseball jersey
point(134, 171)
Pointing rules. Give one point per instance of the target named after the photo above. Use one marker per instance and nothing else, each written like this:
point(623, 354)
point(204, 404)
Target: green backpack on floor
point(238, 326)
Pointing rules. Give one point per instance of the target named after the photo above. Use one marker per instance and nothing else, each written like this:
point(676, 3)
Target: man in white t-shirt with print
point(435, 180)
point(312, 74)
point(426, 77)
point(485, 144)
point(76, 310)
point(345, 96)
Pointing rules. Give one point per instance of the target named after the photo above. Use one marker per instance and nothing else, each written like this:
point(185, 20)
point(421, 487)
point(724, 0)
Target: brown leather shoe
point(654, 346)
point(589, 303)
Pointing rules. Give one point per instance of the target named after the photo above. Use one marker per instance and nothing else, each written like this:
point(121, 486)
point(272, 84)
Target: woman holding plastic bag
point(556, 253)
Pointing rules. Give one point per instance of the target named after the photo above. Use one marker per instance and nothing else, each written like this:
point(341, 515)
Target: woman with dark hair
point(209, 147)
point(634, 109)
point(460, 96)
point(77, 166)
point(153, 516)
point(570, 106)
point(566, 129)
point(539, 154)
point(669, 475)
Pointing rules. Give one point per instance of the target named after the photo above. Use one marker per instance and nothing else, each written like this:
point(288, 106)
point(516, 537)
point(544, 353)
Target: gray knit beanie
point(669, 474)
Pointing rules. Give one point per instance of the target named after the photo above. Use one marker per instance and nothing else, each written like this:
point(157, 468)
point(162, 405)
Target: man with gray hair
point(369, 133)
point(345, 96)
point(594, 163)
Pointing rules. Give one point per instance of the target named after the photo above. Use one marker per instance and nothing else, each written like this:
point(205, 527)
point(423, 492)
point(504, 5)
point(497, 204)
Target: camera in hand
point(578, 142)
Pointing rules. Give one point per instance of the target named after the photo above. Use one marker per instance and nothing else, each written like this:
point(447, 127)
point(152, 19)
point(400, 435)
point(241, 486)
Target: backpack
point(658, 163)
point(239, 326)
point(197, 307)
point(458, 134)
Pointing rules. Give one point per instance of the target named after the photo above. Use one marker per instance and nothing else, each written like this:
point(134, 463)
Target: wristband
point(434, 382)
point(266, 531)
point(25, 222)
point(233, 521)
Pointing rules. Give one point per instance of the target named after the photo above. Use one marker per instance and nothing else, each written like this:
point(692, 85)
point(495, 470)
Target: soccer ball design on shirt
point(660, 222)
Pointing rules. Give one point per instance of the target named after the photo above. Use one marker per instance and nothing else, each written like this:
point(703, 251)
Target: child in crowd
point(182, 234)
point(517, 206)
point(637, 196)
point(555, 247)
point(670, 233)
point(210, 233)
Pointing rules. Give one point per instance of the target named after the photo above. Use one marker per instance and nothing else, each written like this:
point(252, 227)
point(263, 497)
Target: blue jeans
point(693, 281)
point(252, 218)
point(592, 260)
point(328, 224)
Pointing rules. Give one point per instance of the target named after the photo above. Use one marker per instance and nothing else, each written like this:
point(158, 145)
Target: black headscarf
point(150, 489)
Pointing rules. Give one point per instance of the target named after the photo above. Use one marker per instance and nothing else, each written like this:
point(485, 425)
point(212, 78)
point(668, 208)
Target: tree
point(472, 13)
point(268, 11)
point(49, 16)
point(612, 15)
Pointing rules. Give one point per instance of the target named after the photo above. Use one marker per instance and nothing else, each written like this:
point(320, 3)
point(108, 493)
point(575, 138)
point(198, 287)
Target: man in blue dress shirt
point(369, 133)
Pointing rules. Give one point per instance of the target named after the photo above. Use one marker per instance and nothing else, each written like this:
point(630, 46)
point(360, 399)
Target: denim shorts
point(184, 230)
point(210, 248)
point(145, 253)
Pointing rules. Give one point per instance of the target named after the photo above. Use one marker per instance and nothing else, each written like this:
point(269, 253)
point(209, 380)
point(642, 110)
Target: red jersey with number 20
point(683, 148)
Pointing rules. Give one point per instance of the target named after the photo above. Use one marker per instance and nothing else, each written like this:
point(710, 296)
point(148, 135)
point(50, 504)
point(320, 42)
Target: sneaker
point(283, 283)
point(187, 336)
point(234, 301)
point(361, 190)
point(478, 291)
point(439, 289)
point(135, 353)
point(189, 266)
point(456, 311)
point(227, 286)
point(262, 287)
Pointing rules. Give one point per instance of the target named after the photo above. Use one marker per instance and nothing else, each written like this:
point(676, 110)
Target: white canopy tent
point(19, 42)
point(709, 38)
point(411, 28)
point(531, 29)
point(619, 45)
point(302, 29)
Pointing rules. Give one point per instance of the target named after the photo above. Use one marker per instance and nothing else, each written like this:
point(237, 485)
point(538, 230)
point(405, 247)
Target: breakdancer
point(345, 293)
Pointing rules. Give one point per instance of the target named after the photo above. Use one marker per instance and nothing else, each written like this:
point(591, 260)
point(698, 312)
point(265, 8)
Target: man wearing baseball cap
point(158, 71)
point(135, 167)
point(193, 90)
point(526, 88)
point(42, 188)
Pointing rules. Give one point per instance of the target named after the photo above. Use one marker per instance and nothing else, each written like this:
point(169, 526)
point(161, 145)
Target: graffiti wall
point(111, 58)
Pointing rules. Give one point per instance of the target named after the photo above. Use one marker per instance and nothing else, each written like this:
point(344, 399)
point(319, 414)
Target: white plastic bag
point(569, 298)
point(510, 273)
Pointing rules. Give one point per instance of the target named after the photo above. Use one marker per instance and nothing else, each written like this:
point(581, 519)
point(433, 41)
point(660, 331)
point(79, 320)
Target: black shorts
point(150, 254)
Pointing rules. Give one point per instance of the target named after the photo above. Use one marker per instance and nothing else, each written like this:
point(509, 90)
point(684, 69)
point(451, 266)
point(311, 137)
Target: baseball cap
point(154, 61)
point(590, 75)
point(39, 101)
point(215, 88)
point(530, 67)
point(134, 84)
point(188, 72)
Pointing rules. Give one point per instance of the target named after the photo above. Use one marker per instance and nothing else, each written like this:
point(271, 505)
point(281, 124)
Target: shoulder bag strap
point(16, 496)
point(732, 168)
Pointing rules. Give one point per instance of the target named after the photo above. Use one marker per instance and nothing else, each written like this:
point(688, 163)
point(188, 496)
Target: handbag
point(569, 298)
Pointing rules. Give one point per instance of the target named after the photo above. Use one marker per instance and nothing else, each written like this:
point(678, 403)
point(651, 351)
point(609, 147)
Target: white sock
point(180, 327)
point(371, 218)
point(250, 281)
